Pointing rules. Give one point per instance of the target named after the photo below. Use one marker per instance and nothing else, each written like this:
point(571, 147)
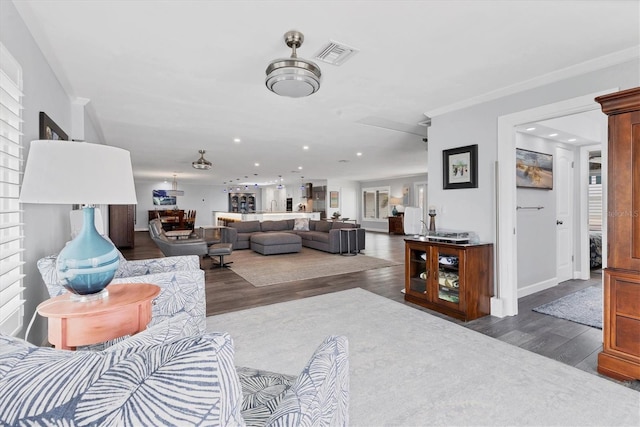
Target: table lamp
point(395, 201)
point(63, 172)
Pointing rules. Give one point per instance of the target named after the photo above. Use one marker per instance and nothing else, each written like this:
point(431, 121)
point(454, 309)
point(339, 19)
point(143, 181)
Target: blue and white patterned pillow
point(183, 382)
point(262, 392)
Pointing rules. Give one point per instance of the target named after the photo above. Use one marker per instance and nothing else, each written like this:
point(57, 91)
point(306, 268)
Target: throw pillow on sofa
point(187, 381)
point(301, 224)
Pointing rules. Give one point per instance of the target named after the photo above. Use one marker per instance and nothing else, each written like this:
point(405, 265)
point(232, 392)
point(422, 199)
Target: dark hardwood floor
point(568, 342)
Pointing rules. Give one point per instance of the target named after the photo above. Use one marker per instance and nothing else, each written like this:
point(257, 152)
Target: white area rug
point(264, 270)
point(409, 368)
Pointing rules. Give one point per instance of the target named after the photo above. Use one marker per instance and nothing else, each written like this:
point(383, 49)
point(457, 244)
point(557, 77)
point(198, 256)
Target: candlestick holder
point(432, 220)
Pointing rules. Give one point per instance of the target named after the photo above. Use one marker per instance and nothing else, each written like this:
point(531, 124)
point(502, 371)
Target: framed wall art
point(534, 170)
point(460, 167)
point(333, 199)
point(49, 129)
point(161, 198)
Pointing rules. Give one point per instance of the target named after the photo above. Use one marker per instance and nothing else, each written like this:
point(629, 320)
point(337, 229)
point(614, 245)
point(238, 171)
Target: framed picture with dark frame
point(49, 129)
point(460, 167)
point(534, 170)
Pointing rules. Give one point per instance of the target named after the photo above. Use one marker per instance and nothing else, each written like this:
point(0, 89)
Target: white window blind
point(11, 167)
point(595, 207)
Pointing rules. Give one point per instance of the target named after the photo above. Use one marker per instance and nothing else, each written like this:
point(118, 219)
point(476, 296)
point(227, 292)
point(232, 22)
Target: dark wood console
point(454, 279)
point(396, 224)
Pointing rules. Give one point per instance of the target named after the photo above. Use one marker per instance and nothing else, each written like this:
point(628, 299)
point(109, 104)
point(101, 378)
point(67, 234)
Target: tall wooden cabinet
point(620, 357)
point(121, 225)
point(454, 279)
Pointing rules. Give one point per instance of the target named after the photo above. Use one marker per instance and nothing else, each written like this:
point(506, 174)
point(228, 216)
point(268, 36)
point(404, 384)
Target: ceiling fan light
point(202, 163)
point(293, 77)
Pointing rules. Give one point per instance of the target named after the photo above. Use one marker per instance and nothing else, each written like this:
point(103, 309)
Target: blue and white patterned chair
point(180, 279)
point(161, 376)
point(165, 376)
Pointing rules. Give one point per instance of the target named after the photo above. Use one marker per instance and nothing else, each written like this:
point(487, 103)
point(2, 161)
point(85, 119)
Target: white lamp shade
point(64, 172)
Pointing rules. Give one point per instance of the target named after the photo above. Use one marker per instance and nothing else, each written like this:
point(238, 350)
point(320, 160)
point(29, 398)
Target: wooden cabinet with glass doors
point(453, 279)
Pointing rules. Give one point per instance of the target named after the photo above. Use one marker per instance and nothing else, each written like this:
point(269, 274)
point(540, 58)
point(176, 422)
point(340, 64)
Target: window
point(375, 203)
point(11, 167)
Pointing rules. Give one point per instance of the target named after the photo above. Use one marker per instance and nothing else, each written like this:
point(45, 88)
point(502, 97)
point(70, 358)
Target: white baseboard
point(497, 309)
point(582, 275)
point(537, 287)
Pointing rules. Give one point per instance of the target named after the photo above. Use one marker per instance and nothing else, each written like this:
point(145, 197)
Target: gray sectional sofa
point(320, 235)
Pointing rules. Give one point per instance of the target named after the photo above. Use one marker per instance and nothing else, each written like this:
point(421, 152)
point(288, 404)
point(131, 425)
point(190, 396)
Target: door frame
point(505, 303)
point(585, 263)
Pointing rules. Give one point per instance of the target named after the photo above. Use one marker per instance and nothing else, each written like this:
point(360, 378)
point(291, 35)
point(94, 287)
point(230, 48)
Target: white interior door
point(564, 213)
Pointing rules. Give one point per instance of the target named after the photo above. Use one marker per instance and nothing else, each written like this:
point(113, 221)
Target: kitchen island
point(223, 218)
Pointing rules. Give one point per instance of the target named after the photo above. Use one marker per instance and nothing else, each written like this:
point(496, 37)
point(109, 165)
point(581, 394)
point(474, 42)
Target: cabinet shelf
point(459, 279)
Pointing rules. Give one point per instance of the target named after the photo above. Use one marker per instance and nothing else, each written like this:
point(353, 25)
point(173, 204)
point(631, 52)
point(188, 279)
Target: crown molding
point(620, 57)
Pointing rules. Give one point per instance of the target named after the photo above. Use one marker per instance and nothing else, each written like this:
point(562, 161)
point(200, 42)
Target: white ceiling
point(586, 128)
point(166, 79)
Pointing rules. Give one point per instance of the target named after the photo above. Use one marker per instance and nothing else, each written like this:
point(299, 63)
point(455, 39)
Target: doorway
point(506, 301)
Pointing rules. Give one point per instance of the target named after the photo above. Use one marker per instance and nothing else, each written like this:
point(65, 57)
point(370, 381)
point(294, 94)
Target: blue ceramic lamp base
point(88, 263)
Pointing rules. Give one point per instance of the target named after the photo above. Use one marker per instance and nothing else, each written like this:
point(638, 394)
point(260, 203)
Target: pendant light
point(174, 188)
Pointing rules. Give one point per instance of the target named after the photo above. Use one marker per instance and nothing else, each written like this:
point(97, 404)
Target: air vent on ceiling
point(335, 53)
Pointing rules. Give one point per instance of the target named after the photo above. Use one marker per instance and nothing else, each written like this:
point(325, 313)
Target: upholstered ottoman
point(276, 243)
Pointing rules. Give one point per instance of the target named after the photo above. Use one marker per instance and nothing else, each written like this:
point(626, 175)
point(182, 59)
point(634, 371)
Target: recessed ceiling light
point(553, 134)
point(530, 129)
point(236, 140)
point(256, 164)
point(305, 147)
point(358, 154)
point(572, 140)
point(299, 167)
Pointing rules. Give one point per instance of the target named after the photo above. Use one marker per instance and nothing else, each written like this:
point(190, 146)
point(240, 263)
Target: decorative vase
point(88, 263)
point(394, 211)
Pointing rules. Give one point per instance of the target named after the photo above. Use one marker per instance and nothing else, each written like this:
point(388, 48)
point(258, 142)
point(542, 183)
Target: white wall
point(536, 228)
point(474, 209)
point(202, 198)
point(478, 125)
point(47, 227)
point(348, 196)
